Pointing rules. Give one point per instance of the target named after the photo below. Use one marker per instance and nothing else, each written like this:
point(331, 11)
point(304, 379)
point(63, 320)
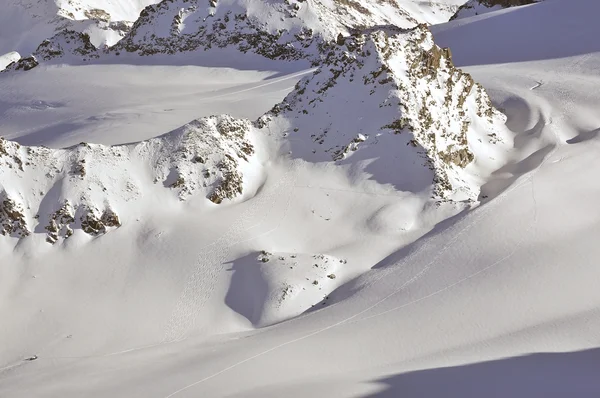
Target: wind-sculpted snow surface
point(88, 186)
point(393, 96)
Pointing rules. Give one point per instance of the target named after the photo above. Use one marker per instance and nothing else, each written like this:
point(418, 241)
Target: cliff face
point(276, 29)
point(24, 24)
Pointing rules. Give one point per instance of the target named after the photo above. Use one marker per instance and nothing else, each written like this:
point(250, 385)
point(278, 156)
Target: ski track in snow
point(393, 269)
point(477, 215)
point(537, 85)
point(200, 285)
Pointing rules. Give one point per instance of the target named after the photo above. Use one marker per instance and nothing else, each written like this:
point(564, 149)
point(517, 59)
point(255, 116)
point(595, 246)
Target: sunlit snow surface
point(499, 301)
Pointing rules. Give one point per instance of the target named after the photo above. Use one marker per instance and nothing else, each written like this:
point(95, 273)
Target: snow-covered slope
point(86, 187)
point(24, 24)
point(275, 29)
point(478, 7)
point(411, 110)
point(8, 59)
point(331, 275)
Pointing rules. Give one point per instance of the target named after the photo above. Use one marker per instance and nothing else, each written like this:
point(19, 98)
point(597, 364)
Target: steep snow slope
point(485, 39)
point(24, 24)
point(272, 27)
point(412, 110)
point(82, 187)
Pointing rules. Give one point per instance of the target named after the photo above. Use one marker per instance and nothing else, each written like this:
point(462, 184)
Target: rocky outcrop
point(278, 29)
point(12, 217)
point(476, 7)
point(60, 223)
point(65, 43)
point(23, 64)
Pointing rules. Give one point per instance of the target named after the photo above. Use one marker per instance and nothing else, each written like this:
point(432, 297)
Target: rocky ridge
point(84, 187)
point(390, 90)
point(281, 29)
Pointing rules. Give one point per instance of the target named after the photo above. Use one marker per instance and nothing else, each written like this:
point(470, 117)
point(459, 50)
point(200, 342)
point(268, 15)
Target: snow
point(128, 102)
point(8, 58)
point(431, 298)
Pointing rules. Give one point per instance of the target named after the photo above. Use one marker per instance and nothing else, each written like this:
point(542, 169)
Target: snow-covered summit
point(276, 29)
point(392, 99)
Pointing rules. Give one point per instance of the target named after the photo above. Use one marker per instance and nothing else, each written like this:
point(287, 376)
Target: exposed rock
point(23, 64)
point(97, 14)
point(12, 218)
point(59, 223)
point(66, 42)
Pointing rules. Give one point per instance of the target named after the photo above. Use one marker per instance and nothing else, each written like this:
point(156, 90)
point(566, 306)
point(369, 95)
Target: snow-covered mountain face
point(276, 29)
point(478, 7)
point(24, 24)
point(374, 228)
point(384, 98)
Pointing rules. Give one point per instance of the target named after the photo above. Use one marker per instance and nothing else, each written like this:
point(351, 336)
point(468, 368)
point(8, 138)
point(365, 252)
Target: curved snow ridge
point(393, 98)
point(90, 187)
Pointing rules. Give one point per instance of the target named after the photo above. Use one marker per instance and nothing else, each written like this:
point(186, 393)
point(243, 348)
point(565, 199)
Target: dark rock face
point(12, 218)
